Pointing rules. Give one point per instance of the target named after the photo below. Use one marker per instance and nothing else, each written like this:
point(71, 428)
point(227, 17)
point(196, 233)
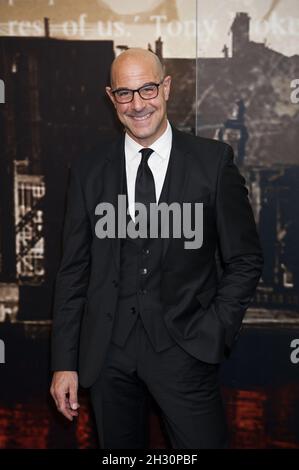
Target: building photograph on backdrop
point(229, 79)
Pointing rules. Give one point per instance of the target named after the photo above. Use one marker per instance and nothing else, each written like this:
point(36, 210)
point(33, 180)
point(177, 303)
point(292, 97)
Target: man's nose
point(138, 102)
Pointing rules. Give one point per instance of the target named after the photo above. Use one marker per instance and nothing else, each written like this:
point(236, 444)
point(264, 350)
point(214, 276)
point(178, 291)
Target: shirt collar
point(161, 146)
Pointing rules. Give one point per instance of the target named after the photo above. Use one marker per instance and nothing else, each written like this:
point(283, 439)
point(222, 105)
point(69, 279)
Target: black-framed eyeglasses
point(146, 92)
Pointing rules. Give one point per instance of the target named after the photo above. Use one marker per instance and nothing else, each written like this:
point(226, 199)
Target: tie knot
point(145, 154)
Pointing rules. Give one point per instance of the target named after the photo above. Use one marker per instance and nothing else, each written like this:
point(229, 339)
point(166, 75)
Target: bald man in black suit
point(135, 317)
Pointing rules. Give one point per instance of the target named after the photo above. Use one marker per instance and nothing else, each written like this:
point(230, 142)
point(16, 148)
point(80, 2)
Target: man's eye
point(148, 89)
point(123, 93)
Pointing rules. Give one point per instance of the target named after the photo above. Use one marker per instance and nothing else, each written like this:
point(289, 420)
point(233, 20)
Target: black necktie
point(145, 185)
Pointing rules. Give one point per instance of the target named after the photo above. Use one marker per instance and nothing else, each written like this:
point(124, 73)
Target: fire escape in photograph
point(30, 242)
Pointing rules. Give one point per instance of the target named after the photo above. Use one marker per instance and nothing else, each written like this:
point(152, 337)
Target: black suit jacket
point(205, 292)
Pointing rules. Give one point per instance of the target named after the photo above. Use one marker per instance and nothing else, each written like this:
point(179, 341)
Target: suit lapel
point(179, 168)
point(113, 186)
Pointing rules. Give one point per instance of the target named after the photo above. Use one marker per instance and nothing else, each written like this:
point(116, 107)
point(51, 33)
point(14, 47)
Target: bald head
point(136, 57)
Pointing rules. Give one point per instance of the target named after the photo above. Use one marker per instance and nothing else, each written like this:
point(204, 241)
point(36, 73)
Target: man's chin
point(139, 133)
point(141, 126)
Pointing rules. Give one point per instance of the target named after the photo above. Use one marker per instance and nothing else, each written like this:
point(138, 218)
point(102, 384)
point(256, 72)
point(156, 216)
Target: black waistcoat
point(139, 284)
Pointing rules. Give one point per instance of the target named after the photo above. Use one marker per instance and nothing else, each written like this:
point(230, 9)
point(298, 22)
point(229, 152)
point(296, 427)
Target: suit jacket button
point(115, 283)
point(109, 315)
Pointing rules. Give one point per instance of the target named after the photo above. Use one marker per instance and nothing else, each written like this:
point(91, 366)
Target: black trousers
point(186, 390)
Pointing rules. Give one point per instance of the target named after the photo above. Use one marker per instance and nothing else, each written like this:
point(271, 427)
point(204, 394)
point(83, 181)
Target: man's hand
point(64, 389)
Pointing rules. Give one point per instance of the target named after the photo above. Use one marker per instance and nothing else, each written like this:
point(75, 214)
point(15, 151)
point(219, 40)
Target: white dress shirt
point(158, 162)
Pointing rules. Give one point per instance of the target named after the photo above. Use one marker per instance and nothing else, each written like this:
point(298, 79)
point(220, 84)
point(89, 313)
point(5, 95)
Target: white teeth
point(142, 118)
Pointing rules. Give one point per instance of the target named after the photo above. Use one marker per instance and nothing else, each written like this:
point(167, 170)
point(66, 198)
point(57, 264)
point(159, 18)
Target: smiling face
point(144, 120)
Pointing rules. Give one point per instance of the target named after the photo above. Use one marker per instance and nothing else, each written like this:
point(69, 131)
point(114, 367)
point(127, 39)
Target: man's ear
point(166, 86)
point(108, 91)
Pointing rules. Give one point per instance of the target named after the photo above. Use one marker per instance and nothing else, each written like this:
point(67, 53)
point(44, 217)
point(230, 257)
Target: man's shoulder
point(99, 151)
point(199, 145)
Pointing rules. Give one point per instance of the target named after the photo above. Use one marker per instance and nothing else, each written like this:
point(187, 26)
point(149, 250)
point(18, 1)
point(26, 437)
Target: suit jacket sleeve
point(239, 247)
point(72, 278)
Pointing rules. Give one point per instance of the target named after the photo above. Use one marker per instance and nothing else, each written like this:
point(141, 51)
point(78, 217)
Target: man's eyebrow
point(148, 83)
point(121, 89)
point(125, 88)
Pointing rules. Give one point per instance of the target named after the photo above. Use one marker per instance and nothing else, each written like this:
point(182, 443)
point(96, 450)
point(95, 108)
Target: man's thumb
point(74, 400)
